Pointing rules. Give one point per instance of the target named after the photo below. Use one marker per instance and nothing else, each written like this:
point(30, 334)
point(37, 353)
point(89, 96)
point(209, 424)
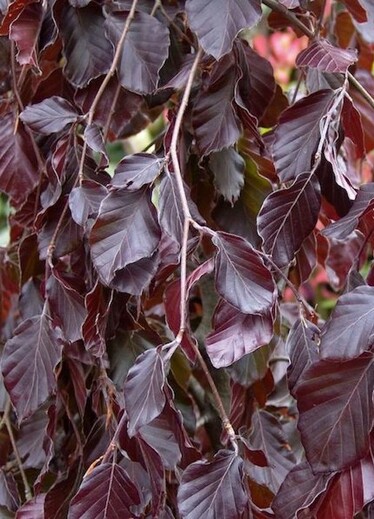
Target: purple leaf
point(217, 23)
point(236, 334)
point(95, 140)
point(28, 364)
point(98, 303)
point(241, 277)
point(298, 491)
point(268, 436)
point(302, 349)
point(160, 437)
point(323, 56)
point(213, 489)
point(333, 403)
point(348, 332)
point(32, 509)
point(136, 277)
point(107, 492)
point(257, 84)
point(349, 491)
point(144, 51)
point(18, 165)
point(125, 232)
point(228, 169)
point(24, 31)
point(298, 133)
point(32, 438)
point(85, 200)
point(143, 390)
point(9, 497)
point(287, 217)
point(363, 203)
point(171, 215)
point(135, 171)
point(88, 53)
point(217, 129)
point(67, 304)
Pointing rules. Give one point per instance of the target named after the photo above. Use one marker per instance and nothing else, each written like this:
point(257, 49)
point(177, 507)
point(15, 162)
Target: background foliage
point(187, 300)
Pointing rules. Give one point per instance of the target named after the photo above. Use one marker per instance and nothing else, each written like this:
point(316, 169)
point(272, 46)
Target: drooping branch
point(276, 6)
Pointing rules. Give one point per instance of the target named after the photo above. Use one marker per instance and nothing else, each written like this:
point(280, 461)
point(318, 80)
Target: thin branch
point(276, 6)
point(104, 84)
point(186, 225)
point(178, 175)
point(6, 419)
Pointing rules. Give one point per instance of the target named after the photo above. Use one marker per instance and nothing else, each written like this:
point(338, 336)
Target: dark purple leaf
point(85, 200)
point(172, 303)
point(257, 85)
point(352, 125)
point(32, 509)
point(217, 23)
point(24, 31)
point(18, 165)
point(349, 491)
point(217, 129)
point(31, 439)
point(298, 133)
point(28, 364)
point(156, 471)
point(67, 304)
point(98, 303)
point(287, 217)
point(298, 491)
point(135, 171)
point(9, 497)
point(241, 277)
point(228, 169)
point(332, 400)
point(125, 232)
point(144, 51)
point(349, 331)
point(336, 195)
point(159, 435)
point(213, 489)
point(95, 140)
point(363, 203)
point(268, 436)
point(236, 334)
point(107, 492)
point(322, 55)
point(302, 349)
point(87, 51)
point(136, 277)
point(171, 215)
point(143, 390)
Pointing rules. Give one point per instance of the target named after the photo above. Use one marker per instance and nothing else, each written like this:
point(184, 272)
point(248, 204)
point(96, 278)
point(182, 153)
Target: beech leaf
point(298, 491)
point(363, 203)
point(124, 232)
point(213, 489)
point(228, 169)
point(287, 217)
point(87, 51)
point(332, 400)
point(297, 134)
point(28, 364)
point(144, 51)
point(106, 493)
point(143, 390)
point(236, 334)
point(217, 23)
point(322, 55)
point(349, 331)
point(134, 171)
point(241, 277)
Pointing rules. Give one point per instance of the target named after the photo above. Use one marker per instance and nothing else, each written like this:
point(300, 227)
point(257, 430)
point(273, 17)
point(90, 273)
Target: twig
point(276, 6)
point(28, 492)
point(104, 84)
point(187, 222)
